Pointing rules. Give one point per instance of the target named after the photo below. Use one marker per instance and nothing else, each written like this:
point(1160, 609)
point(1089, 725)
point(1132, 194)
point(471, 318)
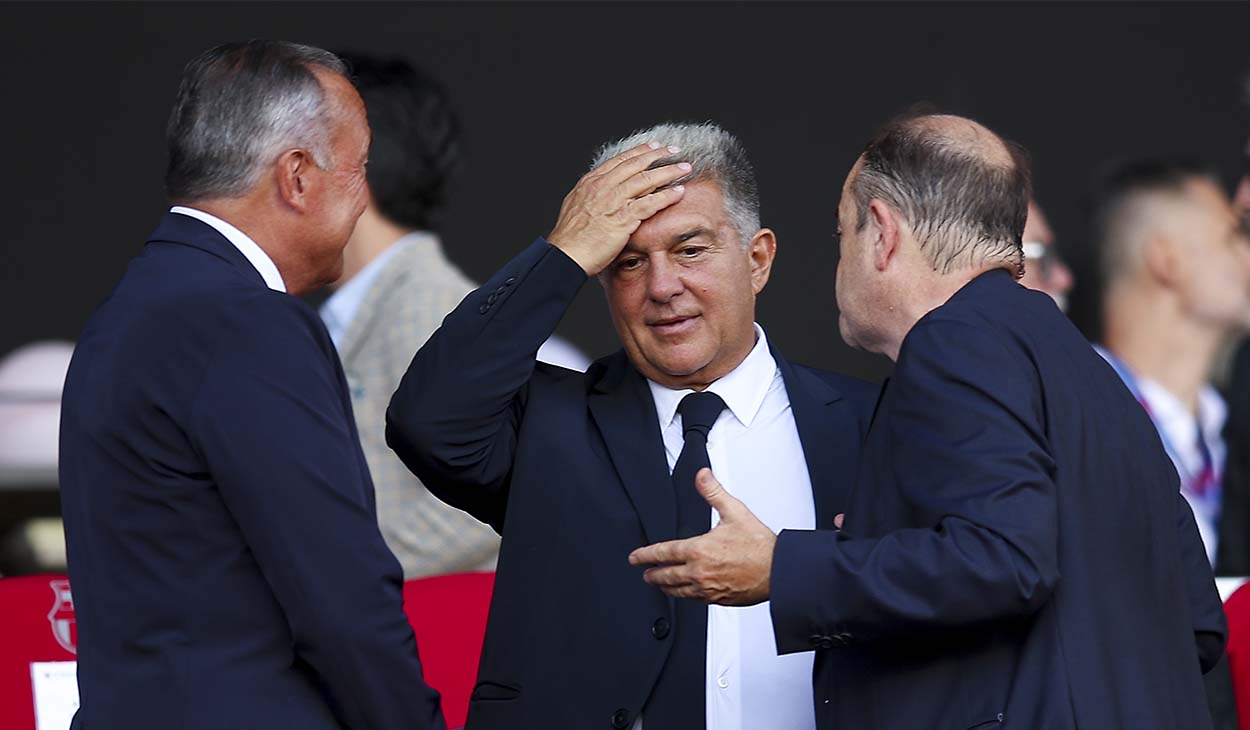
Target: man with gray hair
point(576, 470)
point(1016, 551)
point(226, 563)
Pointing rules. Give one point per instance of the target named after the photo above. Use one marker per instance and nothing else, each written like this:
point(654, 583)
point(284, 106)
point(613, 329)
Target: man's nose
point(664, 280)
point(1241, 199)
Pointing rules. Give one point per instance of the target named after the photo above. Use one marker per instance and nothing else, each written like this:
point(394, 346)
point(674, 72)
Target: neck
point(371, 237)
point(922, 294)
point(1156, 340)
point(245, 214)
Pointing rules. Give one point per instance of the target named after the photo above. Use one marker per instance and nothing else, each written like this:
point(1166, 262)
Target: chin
point(848, 335)
point(678, 368)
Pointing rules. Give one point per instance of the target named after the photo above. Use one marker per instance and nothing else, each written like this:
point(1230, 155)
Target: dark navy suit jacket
point(225, 560)
point(570, 468)
point(1016, 552)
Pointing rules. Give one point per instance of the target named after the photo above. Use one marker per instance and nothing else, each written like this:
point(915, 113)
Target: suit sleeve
point(272, 424)
point(1205, 608)
point(455, 417)
point(972, 462)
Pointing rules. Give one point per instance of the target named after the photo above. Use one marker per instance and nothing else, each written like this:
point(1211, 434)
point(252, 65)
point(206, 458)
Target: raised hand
point(608, 204)
point(730, 565)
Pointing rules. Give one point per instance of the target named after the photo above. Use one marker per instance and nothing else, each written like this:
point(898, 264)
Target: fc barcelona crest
point(64, 623)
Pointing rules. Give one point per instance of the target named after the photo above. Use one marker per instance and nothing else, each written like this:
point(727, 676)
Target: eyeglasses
point(1047, 257)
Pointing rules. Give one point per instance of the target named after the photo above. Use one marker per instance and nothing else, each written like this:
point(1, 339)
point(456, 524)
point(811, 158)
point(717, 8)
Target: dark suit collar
point(988, 281)
point(624, 412)
point(828, 434)
point(184, 230)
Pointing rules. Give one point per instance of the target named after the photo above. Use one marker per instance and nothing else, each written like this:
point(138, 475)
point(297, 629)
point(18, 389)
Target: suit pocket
point(993, 722)
point(487, 691)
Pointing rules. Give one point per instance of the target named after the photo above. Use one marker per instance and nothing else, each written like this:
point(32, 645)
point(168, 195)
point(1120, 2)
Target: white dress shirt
point(1185, 435)
point(252, 252)
point(755, 453)
point(1182, 430)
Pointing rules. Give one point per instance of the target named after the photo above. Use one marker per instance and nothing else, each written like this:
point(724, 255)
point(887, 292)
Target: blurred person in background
point(1233, 556)
point(226, 562)
point(396, 287)
point(1044, 269)
point(1175, 271)
point(1175, 265)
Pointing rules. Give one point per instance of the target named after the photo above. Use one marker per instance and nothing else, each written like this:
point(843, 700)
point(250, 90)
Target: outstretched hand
point(608, 204)
point(730, 565)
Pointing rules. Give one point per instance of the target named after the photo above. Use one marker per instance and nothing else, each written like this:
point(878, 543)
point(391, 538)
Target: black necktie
point(698, 412)
point(679, 702)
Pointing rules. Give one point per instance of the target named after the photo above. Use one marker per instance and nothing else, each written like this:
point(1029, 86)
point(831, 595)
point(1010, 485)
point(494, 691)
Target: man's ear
point(762, 250)
point(1161, 258)
point(292, 176)
point(886, 233)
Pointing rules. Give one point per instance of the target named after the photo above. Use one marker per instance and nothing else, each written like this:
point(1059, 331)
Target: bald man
point(1015, 552)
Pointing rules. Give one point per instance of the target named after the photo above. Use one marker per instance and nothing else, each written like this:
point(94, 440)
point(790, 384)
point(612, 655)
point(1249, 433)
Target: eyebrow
point(692, 233)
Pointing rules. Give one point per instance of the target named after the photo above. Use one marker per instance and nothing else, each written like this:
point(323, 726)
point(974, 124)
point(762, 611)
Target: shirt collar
point(1168, 411)
point(340, 308)
point(743, 388)
point(255, 255)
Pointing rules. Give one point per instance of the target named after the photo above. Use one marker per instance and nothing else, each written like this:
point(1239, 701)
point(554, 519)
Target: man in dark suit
point(226, 564)
point(1016, 551)
point(576, 470)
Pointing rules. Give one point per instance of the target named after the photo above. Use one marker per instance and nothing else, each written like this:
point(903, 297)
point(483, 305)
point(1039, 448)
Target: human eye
point(627, 264)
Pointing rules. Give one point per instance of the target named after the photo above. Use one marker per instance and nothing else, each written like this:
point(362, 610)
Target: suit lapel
point(624, 412)
point(830, 437)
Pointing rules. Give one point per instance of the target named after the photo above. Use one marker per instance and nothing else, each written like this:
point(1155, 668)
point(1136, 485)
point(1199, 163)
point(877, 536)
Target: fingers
point(648, 205)
point(648, 180)
point(612, 163)
point(721, 500)
point(668, 576)
point(673, 551)
point(631, 166)
point(838, 519)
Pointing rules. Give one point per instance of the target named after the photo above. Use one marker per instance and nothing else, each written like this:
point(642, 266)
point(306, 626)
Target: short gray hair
point(238, 106)
point(714, 154)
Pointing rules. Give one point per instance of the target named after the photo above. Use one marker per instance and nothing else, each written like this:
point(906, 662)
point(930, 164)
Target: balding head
point(962, 189)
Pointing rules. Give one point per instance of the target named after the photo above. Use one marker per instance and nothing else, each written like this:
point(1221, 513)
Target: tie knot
point(699, 411)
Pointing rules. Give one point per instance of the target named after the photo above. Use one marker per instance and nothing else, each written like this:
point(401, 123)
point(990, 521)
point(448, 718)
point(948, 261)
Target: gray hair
point(715, 155)
point(239, 105)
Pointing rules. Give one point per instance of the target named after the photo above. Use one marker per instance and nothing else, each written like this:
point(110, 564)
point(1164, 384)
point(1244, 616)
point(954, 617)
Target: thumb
point(712, 491)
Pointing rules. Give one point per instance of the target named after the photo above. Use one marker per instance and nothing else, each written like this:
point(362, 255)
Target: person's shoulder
point(847, 385)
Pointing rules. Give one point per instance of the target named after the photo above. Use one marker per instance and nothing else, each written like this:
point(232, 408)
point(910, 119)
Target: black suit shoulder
point(862, 394)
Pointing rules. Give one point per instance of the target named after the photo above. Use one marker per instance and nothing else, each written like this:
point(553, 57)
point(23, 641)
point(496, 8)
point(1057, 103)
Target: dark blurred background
point(538, 86)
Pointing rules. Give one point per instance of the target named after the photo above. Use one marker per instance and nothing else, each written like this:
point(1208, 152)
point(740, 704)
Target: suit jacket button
point(510, 280)
point(660, 628)
point(483, 309)
point(501, 290)
point(491, 299)
point(620, 719)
